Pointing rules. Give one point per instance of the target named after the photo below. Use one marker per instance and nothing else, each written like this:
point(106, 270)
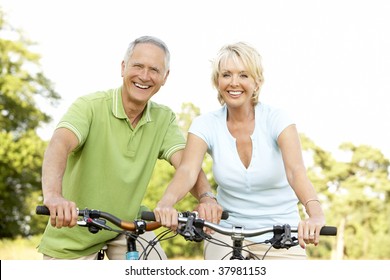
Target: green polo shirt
point(112, 165)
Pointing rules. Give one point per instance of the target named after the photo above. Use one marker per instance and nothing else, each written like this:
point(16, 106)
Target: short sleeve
point(78, 119)
point(173, 140)
point(201, 126)
point(279, 120)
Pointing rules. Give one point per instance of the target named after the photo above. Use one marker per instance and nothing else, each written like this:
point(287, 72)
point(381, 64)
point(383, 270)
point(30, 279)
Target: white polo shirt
point(260, 195)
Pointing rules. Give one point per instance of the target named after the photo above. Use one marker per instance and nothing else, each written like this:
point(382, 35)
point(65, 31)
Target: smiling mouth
point(141, 86)
point(235, 93)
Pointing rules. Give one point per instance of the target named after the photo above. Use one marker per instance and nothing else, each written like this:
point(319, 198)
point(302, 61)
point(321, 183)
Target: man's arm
point(62, 211)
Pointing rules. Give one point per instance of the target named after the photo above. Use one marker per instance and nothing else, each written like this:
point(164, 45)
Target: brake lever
point(282, 238)
point(288, 241)
point(190, 230)
point(94, 224)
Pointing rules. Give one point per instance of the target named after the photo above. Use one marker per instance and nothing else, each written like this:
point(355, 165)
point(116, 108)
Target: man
point(103, 152)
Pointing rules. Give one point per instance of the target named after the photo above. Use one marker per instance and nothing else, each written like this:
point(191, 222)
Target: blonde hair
point(249, 57)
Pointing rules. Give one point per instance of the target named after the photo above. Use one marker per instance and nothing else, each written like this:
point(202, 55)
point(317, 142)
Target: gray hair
point(148, 40)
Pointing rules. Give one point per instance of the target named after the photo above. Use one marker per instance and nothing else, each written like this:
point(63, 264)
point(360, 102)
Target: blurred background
point(326, 62)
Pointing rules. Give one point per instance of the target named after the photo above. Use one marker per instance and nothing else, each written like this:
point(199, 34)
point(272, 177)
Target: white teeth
point(141, 86)
point(235, 92)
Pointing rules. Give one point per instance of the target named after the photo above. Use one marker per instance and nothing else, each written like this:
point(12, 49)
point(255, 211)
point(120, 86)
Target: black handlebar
point(96, 214)
point(328, 230)
point(42, 210)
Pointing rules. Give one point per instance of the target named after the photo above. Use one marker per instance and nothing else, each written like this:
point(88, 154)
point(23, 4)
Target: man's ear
point(166, 77)
point(123, 66)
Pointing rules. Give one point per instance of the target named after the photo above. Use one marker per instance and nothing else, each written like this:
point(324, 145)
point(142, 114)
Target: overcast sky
point(326, 62)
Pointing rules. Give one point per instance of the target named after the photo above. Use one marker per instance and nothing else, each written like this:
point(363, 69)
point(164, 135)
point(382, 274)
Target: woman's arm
point(189, 177)
point(289, 143)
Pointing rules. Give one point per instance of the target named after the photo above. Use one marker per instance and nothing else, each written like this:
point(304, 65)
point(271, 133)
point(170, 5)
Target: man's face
point(144, 73)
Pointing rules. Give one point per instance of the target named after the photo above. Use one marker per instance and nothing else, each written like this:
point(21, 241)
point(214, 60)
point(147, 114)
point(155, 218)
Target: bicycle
point(96, 220)
point(191, 228)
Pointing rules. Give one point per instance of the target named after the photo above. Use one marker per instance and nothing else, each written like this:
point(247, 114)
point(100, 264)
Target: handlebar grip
point(225, 215)
point(328, 230)
point(42, 210)
point(149, 215)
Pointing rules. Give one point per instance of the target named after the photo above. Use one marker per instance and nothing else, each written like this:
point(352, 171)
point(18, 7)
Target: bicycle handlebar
point(149, 215)
point(326, 230)
point(236, 231)
point(183, 218)
point(95, 214)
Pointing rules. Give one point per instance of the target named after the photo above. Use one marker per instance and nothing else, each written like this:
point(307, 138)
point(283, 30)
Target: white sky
point(326, 62)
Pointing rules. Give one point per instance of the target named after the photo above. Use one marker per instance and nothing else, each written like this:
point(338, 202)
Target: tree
point(362, 202)
point(355, 195)
point(188, 112)
point(21, 84)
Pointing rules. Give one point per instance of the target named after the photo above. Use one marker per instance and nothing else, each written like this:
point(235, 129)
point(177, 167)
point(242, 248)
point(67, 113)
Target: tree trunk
point(338, 254)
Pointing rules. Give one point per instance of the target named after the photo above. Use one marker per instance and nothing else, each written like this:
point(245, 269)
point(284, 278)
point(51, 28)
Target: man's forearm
point(201, 186)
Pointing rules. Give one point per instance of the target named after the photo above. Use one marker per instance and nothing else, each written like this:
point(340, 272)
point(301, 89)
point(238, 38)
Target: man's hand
point(63, 213)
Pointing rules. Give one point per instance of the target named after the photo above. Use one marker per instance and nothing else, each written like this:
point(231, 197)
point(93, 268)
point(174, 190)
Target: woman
point(257, 160)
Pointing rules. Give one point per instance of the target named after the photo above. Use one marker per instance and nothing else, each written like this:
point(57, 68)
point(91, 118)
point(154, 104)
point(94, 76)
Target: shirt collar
point(119, 112)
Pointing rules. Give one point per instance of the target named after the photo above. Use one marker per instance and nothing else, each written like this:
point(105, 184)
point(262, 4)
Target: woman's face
point(235, 84)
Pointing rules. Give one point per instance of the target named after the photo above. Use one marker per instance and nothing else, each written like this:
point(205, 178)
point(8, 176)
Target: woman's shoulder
point(212, 115)
point(265, 107)
point(266, 110)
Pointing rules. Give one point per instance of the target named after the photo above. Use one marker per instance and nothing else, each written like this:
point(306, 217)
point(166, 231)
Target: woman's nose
point(234, 81)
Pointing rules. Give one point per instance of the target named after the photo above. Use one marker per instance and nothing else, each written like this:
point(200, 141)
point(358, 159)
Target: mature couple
point(104, 149)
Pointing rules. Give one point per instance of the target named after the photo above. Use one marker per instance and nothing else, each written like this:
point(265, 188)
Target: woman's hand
point(209, 210)
point(309, 231)
point(165, 213)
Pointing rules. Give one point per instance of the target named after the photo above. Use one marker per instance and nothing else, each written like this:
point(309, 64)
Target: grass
point(20, 249)
point(26, 249)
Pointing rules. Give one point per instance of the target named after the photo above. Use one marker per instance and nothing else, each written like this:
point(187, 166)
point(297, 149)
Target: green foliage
point(20, 168)
point(354, 192)
point(355, 195)
point(21, 151)
point(188, 112)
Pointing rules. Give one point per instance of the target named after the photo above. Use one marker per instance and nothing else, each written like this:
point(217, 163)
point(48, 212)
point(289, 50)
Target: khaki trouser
point(218, 252)
point(116, 248)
